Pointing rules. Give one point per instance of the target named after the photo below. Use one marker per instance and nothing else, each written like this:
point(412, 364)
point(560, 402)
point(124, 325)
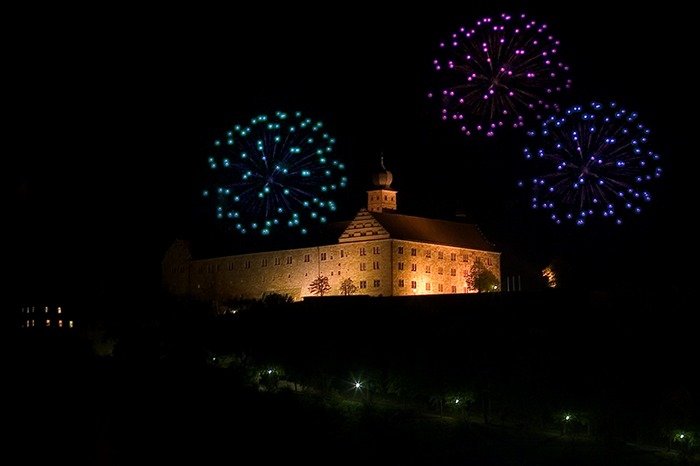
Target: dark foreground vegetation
point(490, 379)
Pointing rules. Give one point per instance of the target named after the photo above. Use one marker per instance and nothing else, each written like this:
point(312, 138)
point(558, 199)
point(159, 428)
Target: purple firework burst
point(592, 163)
point(500, 73)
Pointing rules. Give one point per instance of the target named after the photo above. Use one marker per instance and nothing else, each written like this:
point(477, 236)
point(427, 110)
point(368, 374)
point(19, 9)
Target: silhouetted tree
point(481, 279)
point(319, 286)
point(348, 287)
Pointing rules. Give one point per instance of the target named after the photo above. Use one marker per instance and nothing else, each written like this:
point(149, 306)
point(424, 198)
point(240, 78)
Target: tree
point(481, 279)
point(348, 287)
point(319, 286)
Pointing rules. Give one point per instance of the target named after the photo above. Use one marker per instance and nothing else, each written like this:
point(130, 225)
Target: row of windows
point(376, 266)
point(29, 323)
point(247, 264)
point(440, 288)
point(31, 310)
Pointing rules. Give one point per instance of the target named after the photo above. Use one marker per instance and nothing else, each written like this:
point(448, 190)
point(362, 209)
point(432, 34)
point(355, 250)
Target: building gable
point(364, 227)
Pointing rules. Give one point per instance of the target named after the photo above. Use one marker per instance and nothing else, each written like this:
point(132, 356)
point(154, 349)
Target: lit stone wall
point(379, 267)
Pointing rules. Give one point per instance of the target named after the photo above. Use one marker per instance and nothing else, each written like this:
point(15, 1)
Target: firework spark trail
point(592, 163)
point(275, 171)
point(499, 74)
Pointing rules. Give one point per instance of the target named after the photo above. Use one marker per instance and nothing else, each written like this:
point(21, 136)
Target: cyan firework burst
point(276, 171)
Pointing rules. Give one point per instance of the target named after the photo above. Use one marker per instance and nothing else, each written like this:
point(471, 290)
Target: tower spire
point(381, 198)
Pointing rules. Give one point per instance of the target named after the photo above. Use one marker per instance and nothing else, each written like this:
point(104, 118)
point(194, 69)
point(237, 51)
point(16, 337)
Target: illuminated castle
point(377, 253)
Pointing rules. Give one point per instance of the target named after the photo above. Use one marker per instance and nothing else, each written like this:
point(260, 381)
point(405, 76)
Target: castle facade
point(377, 253)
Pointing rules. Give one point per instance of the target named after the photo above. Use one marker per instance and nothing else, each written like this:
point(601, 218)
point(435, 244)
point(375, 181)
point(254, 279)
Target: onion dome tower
point(381, 198)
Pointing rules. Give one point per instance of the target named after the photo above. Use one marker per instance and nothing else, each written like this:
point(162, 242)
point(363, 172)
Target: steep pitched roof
point(375, 225)
point(364, 227)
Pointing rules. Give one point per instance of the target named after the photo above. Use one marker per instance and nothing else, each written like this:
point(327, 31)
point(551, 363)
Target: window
point(427, 287)
point(401, 283)
point(440, 287)
point(342, 253)
point(307, 258)
point(400, 265)
point(246, 264)
point(377, 283)
point(440, 255)
point(363, 266)
point(289, 259)
point(363, 252)
point(414, 267)
point(376, 250)
point(454, 288)
point(439, 270)
point(453, 272)
point(375, 265)
point(323, 256)
point(363, 284)
point(414, 252)
point(427, 269)
point(278, 261)
point(453, 256)
point(414, 285)
point(400, 250)
point(263, 263)
point(427, 254)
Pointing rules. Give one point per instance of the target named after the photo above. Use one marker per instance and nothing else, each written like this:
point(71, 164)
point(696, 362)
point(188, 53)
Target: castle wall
point(379, 267)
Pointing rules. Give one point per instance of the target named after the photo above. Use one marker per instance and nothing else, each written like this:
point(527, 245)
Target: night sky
point(114, 111)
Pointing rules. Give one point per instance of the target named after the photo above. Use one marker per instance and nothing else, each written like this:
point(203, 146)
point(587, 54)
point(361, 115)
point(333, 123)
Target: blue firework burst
point(592, 162)
point(275, 172)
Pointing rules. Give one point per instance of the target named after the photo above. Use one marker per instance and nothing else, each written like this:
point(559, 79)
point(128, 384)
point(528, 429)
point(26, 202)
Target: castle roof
point(366, 226)
point(375, 225)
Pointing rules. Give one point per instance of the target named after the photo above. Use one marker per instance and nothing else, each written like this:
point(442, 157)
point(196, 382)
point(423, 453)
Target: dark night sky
point(116, 108)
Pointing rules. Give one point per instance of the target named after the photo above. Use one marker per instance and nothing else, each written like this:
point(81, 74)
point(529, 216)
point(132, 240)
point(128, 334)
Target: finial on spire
point(381, 161)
